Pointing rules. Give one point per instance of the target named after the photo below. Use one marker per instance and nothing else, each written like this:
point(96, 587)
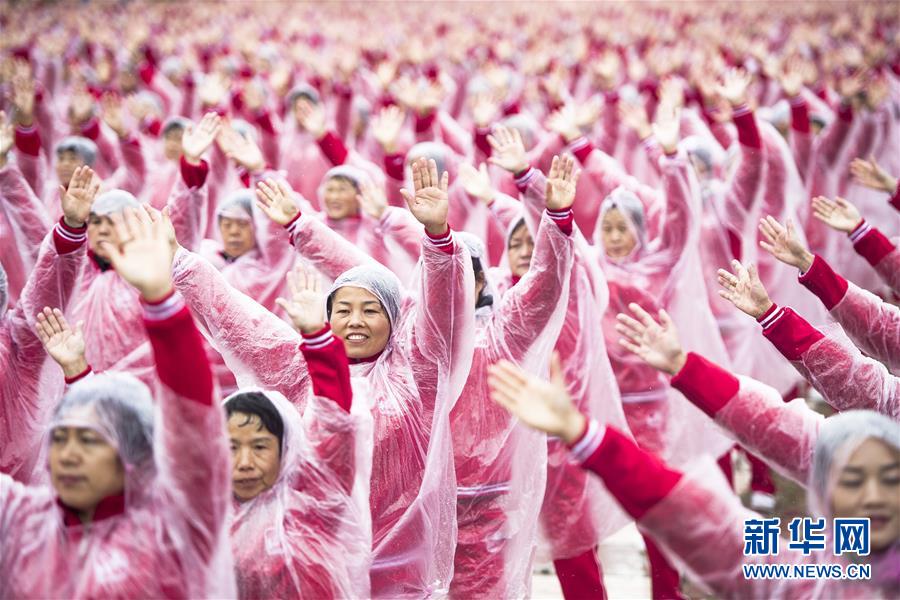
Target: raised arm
point(192, 452)
point(539, 299)
point(872, 324)
point(253, 341)
point(445, 312)
point(325, 249)
point(835, 367)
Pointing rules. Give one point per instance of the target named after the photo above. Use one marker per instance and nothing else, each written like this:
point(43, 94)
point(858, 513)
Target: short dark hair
point(483, 299)
point(256, 403)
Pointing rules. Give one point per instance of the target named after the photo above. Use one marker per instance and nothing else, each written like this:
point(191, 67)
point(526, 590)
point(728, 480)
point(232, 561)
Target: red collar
point(361, 361)
point(515, 279)
point(106, 508)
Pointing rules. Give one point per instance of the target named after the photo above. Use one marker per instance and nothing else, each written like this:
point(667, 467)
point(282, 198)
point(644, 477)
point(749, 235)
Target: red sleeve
point(264, 121)
point(68, 239)
point(443, 242)
point(748, 133)
point(80, 376)
point(181, 361)
point(581, 148)
point(707, 385)
point(563, 219)
point(393, 166)
point(194, 176)
point(91, 129)
point(638, 479)
point(895, 199)
point(822, 281)
point(523, 178)
point(870, 243)
point(28, 140)
point(333, 148)
point(424, 122)
point(799, 115)
point(845, 112)
point(788, 332)
point(328, 366)
point(481, 141)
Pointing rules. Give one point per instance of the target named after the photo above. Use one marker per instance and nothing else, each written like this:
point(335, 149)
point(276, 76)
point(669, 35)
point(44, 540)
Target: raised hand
point(542, 405)
point(311, 117)
point(372, 199)
point(23, 100)
point(77, 199)
point(783, 243)
point(870, 174)
point(241, 150)
point(587, 113)
point(634, 115)
point(744, 289)
point(275, 199)
point(212, 90)
point(81, 107)
point(666, 127)
point(306, 306)
point(671, 93)
point(144, 255)
point(851, 85)
point(484, 108)
point(64, 344)
point(112, 114)
point(508, 149)
point(386, 127)
point(564, 123)
point(655, 343)
point(429, 201)
point(839, 215)
point(791, 78)
point(430, 98)
point(734, 86)
point(477, 182)
point(561, 183)
point(198, 138)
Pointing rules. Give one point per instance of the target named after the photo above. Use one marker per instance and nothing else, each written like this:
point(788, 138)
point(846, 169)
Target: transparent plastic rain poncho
point(577, 511)
point(662, 272)
point(30, 383)
point(846, 378)
point(872, 324)
point(728, 205)
point(23, 224)
point(114, 333)
point(171, 538)
point(500, 464)
point(409, 389)
point(310, 534)
point(699, 525)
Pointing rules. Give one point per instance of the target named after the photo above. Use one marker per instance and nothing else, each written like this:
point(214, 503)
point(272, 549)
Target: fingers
point(631, 347)
point(554, 168)
point(510, 373)
point(629, 326)
point(418, 174)
point(642, 315)
point(556, 369)
point(432, 172)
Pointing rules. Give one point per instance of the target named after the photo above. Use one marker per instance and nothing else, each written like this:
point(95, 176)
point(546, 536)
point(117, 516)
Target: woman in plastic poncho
point(139, 489)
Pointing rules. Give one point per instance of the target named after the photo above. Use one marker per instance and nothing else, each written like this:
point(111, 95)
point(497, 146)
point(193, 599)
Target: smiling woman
point(359, 318)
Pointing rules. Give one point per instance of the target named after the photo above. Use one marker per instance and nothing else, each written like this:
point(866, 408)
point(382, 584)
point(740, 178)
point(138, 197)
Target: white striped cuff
point(165, 309)
point(658, 395)
point(76, 238)
point(559, 215)
point(524, 179)
point(482, 490)
point(772, 319)
point(441, 242)
point(292, 229)
point(741, 110)
point(649, 141)
point(317, 342)
point(578, 143)
point(589, 443)
point(860, 232)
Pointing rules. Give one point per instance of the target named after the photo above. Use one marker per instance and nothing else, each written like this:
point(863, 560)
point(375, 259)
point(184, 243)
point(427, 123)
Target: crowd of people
point(401, 300)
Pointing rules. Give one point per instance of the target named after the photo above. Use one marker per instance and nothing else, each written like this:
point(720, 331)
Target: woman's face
point(618, 238)
point(519, 251)
point(84, 468)
point(358, 318)
point(172, 143)
point(66, 163)
point(255, 456)
point(237, 236)
point(101, 229)
point(340, 198)
point(868, 486)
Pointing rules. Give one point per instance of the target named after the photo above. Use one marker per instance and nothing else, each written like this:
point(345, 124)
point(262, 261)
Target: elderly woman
point(408, 361)
point(138, 496)
point(301, 525)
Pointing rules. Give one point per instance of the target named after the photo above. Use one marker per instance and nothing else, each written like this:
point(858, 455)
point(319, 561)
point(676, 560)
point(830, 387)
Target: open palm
point(429, 202)
point(64, 344)
point(656, 343)
point(561, 183)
